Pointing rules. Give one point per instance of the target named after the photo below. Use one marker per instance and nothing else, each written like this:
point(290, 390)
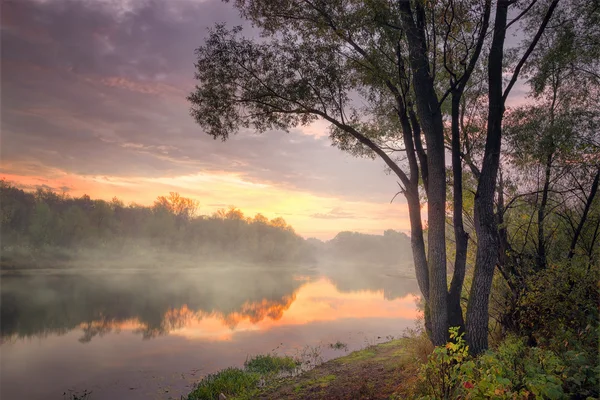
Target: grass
point(271, 364)
point(244, 383)
point(230, 382)
point(359, 355)
point(384, 371)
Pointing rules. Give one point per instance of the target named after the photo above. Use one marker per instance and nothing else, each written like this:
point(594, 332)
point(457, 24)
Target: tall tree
point(320, 59)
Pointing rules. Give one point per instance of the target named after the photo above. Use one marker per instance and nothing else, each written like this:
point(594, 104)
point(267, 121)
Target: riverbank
point(384, 371)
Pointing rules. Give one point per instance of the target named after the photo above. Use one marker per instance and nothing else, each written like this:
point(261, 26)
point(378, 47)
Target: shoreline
point(386, 370)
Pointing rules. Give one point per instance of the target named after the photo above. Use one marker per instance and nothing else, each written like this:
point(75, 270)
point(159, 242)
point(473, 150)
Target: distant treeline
point(391, 249)
point(44, 221)
point(47, 219)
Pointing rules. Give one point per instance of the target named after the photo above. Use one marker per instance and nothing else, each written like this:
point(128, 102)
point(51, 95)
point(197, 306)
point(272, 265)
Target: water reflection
point(88, 329)
point(156, 304)
point(33, 306)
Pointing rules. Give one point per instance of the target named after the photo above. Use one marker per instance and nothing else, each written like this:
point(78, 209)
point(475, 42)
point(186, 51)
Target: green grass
point(243, 383)
point(321, 382)
point(360, 355)
point(271, 364)
point(230, 382)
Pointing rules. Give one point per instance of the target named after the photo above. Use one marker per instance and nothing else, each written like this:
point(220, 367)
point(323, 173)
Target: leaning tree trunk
point(418, 249)
point(411, 193)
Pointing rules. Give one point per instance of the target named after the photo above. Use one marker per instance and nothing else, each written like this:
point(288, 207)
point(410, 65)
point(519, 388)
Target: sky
point(94, 102)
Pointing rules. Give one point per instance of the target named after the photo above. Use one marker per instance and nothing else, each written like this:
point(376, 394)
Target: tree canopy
point(413, 82)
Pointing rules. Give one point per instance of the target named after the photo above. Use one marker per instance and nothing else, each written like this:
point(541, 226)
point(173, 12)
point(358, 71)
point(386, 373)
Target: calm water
point(141, 334)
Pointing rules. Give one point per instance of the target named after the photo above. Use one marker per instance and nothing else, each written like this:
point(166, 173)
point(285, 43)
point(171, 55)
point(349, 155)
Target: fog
point(79, 273)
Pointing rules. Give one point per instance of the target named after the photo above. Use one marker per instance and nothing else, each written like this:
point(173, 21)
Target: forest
point(50, 224)
point(487, 113)
point(45, 228)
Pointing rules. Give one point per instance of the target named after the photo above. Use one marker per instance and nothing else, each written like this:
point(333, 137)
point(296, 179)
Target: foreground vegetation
point(411, 368)
point(515, 214)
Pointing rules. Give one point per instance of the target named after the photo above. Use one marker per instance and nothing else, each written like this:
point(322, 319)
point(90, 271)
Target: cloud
point(93, 93)
point(334, 213)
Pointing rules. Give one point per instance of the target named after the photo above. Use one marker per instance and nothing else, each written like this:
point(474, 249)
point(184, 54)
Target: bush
point(513, 371)
point(559, 312)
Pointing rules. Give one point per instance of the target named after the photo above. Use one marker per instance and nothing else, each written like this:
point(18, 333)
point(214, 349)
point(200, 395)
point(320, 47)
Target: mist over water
point(142, 302)
point(140, 333)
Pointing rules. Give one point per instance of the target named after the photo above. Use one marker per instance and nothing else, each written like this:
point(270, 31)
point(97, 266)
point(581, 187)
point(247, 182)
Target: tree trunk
point(541, 255)
point(431, 121)
point(485, 220)
point(455, 316)
point(418, 249)
point(414, 209)
point(586, 210)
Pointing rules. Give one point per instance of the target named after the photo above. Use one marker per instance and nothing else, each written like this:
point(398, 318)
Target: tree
point(182, 208)
point(403, 59)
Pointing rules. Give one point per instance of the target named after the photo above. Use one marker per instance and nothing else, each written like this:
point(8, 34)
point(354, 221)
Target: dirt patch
point(378, 372)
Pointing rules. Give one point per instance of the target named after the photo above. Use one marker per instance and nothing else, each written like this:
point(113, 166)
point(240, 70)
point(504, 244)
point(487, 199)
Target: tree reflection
point(155, 303)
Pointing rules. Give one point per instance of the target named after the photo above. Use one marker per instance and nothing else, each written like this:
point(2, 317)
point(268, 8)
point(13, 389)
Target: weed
point(243, 383)
point(338, 346)
point(310, 356)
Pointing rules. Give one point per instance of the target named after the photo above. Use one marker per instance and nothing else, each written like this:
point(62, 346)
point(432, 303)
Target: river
point(145, 334)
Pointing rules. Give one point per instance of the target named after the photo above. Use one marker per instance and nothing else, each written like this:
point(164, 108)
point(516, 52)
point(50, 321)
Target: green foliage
point(516, 371)
point(442, 374)
point(559, 311)
point(230, 382)
point(271, 364)
point(513, 371)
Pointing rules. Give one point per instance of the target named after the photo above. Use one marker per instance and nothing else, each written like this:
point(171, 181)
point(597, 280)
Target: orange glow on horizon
point(318, 301)
point(306, 212)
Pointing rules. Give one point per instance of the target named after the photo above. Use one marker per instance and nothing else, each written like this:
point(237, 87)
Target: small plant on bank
point(230, 382)
point(443, 372)
point(244, 383)
point(74, 395)
point(271, 364)
point(338, 346)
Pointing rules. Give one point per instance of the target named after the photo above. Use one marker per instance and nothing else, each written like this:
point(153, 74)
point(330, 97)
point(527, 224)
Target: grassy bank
point(384, 371)
point(410, 368)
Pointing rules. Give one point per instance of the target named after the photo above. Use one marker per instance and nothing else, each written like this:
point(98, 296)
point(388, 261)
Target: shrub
point(513, 371)
point(559, 312)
